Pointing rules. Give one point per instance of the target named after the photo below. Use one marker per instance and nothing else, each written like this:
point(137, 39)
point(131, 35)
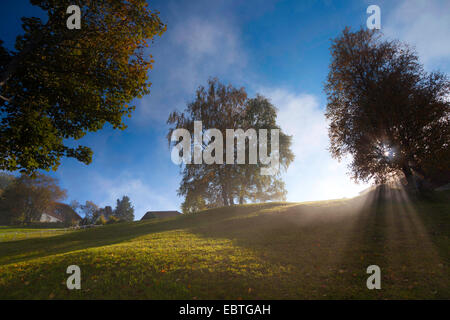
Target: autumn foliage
point(59, 84)
point(385, 111)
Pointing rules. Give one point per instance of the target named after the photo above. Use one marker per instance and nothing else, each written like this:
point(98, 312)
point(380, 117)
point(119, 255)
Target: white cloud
point(423, 24)
point(196, 46)
point(141, 195)
point(204, 48)
point(313, 175)
point(202, 38)
point(301, 117)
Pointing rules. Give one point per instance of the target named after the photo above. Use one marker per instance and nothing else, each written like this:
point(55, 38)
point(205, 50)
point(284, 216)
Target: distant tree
point(124, 210)
point(210, 185)
point(106, 212)
point(5, 180)
point(385, 111)
point(112, 219)
point(75, 205)
point(90, 212)
point(84, 222)
point(65, 212)
point(101, 220)
point(27, 198)
point(59, 84)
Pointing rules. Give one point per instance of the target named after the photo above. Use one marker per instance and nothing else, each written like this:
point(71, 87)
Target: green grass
point(8, 229)
point(314, 250)
point(10, 233)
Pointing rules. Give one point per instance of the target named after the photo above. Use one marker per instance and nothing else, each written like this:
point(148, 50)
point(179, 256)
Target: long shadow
point(433, 211)
point(389, 233)
point(289, 237)
point(334, 245)
point(20, 250)
point(306, 240)
point(365, 247)
point(324, 245)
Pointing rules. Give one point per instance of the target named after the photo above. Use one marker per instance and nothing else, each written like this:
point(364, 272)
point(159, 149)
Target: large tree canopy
point(210, 185)
point(59, 83)
point(385, 111)
point(25, 198)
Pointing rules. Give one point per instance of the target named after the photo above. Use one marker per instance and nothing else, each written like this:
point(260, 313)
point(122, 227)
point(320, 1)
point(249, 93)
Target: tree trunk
point(423, 182)
point(224, 196)
point(410, 179)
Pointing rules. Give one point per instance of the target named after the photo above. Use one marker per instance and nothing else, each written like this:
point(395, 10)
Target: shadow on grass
point(322, 249)
point(390, 232)
point(15, 251)
point(328, 248)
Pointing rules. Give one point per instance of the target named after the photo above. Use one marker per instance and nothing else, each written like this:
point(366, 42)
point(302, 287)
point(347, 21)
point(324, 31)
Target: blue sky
point(276, 48)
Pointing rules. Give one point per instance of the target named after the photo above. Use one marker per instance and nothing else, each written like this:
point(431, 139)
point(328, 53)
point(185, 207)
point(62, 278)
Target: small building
point(49, 217)
point(62, 213)
point(160, 214)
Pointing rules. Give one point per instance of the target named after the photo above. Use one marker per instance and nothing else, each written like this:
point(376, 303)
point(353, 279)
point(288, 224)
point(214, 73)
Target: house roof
point(54, 216)
point(63, 212)
point(160, 214)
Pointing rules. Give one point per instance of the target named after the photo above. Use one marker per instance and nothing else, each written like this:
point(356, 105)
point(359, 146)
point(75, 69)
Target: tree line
point(93, 214)
point(25, 198)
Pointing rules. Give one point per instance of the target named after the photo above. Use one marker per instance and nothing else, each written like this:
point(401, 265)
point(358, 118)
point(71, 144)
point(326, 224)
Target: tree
point(5, 180)
point(58, 84)
point(106, 212)
point(210, 185)
point(65, 212)
point(124, 210)
point(26, 198)
point(101, 220)
point(385, 111)
point(75, 205)
point(113, 219)
point(90, 211)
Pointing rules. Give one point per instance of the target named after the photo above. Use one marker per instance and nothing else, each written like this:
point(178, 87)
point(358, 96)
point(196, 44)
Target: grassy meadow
point(311, 250)
point(12, 233)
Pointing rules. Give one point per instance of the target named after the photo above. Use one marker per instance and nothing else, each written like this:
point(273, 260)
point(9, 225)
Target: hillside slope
point(316, 250)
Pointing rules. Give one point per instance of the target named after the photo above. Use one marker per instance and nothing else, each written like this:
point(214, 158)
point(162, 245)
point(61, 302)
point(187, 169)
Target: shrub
point(101, 220)
point(113, 219)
